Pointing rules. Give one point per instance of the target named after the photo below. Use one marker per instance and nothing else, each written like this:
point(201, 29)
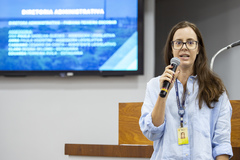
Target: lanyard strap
point(181, 108)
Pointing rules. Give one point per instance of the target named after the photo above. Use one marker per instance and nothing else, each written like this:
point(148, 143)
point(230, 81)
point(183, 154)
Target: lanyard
point(181, 108)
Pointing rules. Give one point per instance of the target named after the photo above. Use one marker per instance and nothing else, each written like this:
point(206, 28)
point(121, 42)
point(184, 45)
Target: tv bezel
point(66, 73)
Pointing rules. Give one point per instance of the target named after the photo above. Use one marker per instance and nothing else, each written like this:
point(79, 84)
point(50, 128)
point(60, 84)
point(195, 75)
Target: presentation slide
point(78, 35)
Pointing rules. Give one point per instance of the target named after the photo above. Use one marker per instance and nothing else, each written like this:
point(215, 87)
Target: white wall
point(38, 115)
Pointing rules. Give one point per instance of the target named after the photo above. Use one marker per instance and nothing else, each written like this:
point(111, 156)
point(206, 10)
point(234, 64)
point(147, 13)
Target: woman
point(206, 116)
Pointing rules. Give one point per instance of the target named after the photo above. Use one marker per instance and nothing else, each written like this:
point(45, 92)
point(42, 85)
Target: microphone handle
point(167, 84)
point(164, 89)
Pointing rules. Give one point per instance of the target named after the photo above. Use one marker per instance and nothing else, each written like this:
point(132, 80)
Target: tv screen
point(71, 37)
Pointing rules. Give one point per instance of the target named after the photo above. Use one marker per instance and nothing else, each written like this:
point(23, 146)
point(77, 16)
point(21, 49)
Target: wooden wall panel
point(129, 130)
point(235, 134)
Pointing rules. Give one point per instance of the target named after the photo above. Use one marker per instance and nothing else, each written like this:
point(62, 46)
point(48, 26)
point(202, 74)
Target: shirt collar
point(192, 77)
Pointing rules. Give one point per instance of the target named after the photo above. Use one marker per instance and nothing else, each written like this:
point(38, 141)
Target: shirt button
point(185, 122)
point(188, 93)
point(186, 154)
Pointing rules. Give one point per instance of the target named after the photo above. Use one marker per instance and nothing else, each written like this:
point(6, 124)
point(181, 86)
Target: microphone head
point(235, 44)
point(175, 61)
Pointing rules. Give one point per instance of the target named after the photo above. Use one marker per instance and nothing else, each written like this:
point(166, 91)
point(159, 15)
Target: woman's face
point(186, 56)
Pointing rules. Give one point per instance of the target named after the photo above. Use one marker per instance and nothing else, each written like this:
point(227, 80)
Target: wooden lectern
point(132, 143)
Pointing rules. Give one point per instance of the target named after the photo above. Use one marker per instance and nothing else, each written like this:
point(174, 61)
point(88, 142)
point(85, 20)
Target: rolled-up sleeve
point(148, 129)
point(222, 135)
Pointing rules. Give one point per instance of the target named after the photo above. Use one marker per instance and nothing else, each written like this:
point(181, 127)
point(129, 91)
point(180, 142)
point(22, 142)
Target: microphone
point(174, 62)
point(234, 44)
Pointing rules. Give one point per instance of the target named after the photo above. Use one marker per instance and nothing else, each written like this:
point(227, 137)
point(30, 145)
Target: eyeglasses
point(177, 45)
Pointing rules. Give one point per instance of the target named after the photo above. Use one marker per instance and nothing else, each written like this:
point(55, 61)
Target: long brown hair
point(210, 85)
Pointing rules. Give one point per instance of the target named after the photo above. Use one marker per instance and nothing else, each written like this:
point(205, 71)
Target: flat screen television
point(71, 37)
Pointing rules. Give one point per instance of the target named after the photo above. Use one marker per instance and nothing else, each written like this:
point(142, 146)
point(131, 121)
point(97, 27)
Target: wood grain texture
point(235, 134)
point(129, 130)
point(138, 151)
point(236, 153)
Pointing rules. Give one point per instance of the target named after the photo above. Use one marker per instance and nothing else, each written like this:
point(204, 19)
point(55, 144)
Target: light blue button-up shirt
point(209, 130)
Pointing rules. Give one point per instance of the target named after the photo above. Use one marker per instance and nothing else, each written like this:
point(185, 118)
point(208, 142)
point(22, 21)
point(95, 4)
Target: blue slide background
point(121, 57)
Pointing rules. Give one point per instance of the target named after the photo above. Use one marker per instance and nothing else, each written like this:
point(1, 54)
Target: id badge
point(182, 136)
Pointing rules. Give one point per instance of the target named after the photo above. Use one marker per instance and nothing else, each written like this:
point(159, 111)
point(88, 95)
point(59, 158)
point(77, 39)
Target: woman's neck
point(184, 75)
